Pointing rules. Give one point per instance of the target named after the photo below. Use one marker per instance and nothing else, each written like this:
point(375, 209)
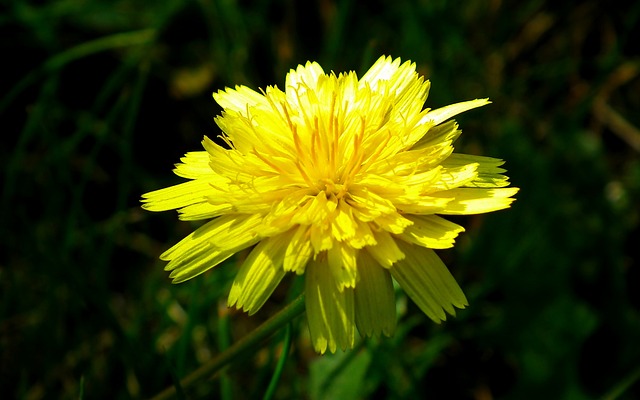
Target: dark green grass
point(100, 98)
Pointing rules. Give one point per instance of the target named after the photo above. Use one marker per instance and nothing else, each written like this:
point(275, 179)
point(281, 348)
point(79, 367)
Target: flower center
point(332, 188)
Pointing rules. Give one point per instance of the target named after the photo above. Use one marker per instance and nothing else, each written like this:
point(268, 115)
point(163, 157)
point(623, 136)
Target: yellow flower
point(338, 178)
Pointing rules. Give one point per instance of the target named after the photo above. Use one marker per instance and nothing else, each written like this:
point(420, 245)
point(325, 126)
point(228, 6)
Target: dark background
point(100, 98)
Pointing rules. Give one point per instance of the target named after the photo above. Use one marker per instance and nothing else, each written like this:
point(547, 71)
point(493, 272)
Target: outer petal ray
point(194, 165)
point(428, 282)
point(476, 200)
point(489, 172)
point(375, 307)
point(259, 275)
point(330, 312)
point(431, 231)
point(342, 263)
point(204, 210)
point(441, 135)
point(442, 114)
point(239, 98)
point(386, 252)
point(177, 196)
point(298, 251)
point(303, 77)
point(197, 253)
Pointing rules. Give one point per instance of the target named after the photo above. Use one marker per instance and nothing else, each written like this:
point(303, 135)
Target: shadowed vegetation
point(100, 98)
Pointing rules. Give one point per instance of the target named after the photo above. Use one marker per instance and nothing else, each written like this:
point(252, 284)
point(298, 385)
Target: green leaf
point(339, 376)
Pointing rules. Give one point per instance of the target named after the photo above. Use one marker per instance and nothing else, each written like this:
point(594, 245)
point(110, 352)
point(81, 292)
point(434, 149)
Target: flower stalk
point(241, 347)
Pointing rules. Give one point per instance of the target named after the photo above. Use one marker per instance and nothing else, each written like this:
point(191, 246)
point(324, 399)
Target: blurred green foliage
point(100, 98)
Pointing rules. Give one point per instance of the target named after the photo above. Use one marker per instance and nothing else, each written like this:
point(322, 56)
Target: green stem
point(248, 342)
point(622, 387)
point(280, 366)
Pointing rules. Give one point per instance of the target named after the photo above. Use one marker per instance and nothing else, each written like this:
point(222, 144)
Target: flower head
point(340, 179)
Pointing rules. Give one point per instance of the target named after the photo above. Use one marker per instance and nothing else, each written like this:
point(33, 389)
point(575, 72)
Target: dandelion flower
point(340, 179)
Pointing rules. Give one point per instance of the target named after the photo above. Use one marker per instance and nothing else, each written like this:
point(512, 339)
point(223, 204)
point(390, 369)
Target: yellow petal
point(208, 232)
point(259, 275)
point(195, 164)
point(375, 306)
point(394, 222)
point(342, 263)
point(388, 185)
point(363, 237)
point(427, 281)
point(198, 253)
point(386, 252)
point(396, 77)
point(490, 175)
point(431, 231)
point(476, 201)
point(344, 225)
point(239, 98)
point(315, 210)
point(273, 125)
point(442, 114)
point(239, 230)
point(453, 177)
point(412, 161)
point(281, 216)
point(198, 211)
point(298, 251)
point(177, 196)
point(383, 69)
point(303, 77)
point(421, 205)
point(330, 312)
point(368, 206)
point(240, 131)
point(321, 238)
point(418, 183)
point(438, 136)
